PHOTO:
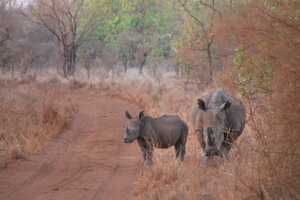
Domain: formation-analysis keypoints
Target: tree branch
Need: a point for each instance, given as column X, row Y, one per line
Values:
column 202, row 25
column 212, row 7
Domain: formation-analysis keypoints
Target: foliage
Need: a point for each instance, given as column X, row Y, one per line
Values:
column 195, row 46
column 263, row 67
column 253, row 75
column 138, row 26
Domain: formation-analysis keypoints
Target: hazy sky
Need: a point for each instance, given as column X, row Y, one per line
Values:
column 23, row 1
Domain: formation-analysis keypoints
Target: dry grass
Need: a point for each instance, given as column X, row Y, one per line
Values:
column 30, row 114
column 263, row 164
column 253, row 170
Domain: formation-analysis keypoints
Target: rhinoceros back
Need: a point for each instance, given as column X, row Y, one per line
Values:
column 164, row 131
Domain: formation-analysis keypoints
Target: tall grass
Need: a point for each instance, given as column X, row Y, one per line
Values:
column 263, row 163
column 30, row 114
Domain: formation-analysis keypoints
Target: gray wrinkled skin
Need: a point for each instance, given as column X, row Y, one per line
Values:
column 218, row 121
column 161, row 132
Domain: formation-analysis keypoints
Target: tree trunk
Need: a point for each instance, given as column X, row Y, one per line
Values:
column 89, row 73
column 125, row 63
column 87, row 66
column 70, row 54
column 141, row 67
column 210, row 62
column 125, row 68
column 13, row 70
column 230, row 4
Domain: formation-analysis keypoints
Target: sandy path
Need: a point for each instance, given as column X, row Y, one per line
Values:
column 86, row 162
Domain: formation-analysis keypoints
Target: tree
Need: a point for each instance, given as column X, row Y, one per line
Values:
column 138, row 30
column 4, row 26
column 64, row 20
column 205, row 24
column 8, row 27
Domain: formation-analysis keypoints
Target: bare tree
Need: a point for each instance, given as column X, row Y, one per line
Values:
column 63, row 19
column 205, row 27
column 4, row 36
column 4, row 28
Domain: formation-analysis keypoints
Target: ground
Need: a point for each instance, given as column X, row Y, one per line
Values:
column 87, row 161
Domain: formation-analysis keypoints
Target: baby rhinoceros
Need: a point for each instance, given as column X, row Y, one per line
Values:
column 161, row 132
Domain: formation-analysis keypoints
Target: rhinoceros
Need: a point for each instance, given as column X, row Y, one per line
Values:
column 161, row 132
column 218, row 121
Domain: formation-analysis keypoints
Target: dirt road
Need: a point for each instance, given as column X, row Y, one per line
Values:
column 86, row 162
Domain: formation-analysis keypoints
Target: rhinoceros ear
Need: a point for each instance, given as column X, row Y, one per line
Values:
column 141, row 115
column 201, row 104
column 225, row 105
column 128, row 116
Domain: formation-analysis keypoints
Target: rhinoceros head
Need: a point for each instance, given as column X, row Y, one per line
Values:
column 133, row 127
column 214, row 127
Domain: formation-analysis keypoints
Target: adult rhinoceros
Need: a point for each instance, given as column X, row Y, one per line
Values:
column 161, row 132
column 218, row 121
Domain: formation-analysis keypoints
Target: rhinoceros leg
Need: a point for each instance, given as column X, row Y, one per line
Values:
column 148, row 154
column 180, row 151
column 147, row 151
column 180, row 147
